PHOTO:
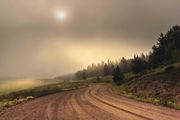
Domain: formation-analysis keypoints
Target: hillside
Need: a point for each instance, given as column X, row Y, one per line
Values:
column 161, row 86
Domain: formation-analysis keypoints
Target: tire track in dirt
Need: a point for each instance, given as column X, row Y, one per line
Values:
column 96, row 102
column 23, row 110
column 65, row 109
column 122, row 113
column 158, row 112
column 93, row 111
column 53, row 106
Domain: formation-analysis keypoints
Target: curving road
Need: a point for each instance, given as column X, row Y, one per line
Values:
column 93, row 103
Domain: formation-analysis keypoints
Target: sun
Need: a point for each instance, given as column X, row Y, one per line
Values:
column 60, row 15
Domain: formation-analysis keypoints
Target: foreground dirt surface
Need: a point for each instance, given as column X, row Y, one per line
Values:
column 96, row 102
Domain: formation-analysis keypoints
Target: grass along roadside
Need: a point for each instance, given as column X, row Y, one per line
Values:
column 14, row 98
column 122, row 91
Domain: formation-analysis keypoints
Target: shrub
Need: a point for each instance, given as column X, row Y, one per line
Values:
column 169, row 68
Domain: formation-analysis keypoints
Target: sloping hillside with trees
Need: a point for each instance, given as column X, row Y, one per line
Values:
column 155, row 75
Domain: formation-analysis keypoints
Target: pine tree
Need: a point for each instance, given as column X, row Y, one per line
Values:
column 118, row 77
column 138, row 64
column 167, row 49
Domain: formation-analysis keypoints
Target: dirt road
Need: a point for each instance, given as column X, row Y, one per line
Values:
column 93, row 103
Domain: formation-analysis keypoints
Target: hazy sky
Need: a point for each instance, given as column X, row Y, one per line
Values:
column 35, row 43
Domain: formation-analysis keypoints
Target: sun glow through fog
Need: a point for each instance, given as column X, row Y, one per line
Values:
column 60, row 15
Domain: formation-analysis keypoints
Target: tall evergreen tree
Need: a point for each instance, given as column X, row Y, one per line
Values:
column 167, row 49
column 138, row 64
column 124, row 65
column 118, row 77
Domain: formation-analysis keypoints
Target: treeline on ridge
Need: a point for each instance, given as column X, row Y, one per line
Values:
column 165, row 52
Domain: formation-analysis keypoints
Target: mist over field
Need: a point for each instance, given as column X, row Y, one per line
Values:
column 13, row 85
column 7, row 86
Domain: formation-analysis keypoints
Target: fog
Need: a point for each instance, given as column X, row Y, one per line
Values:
column 35, row 44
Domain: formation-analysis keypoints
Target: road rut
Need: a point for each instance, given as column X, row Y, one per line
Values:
column 95, row 102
